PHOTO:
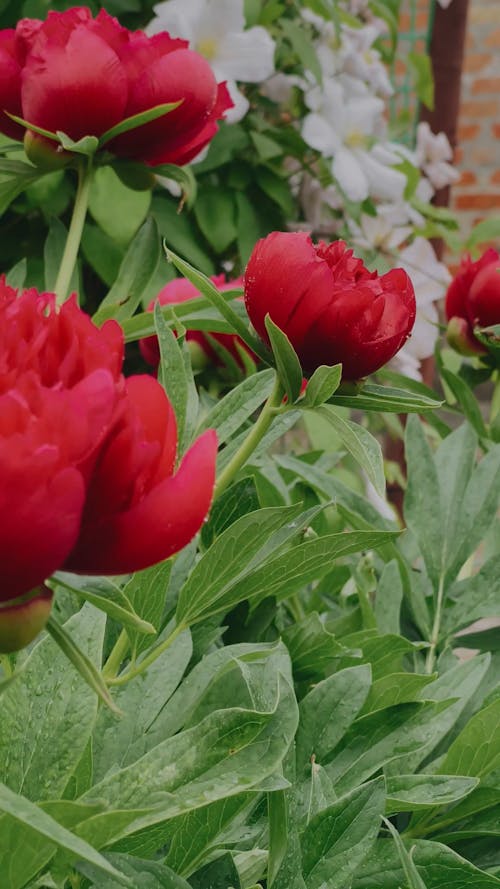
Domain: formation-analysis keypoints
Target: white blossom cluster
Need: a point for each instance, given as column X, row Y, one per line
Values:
column 345, row 120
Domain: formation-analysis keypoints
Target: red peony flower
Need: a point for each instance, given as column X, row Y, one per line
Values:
column 82, row 76
column 86, row 457
column 178, row 291
column 329, row 305
column 473, row 300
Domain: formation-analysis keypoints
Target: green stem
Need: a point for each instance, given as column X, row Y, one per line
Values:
column 6, row 665
column 148, row 660
column 436, row 628
column 72, row 246
column 119, row 652
column 495, row 401
column 252, row 440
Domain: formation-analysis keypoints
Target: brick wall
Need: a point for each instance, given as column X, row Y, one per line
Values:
column 477, row 195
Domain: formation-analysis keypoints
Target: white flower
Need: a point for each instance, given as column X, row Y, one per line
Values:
column 343, row 129
column 362, row 61
column 433, row 153
column 216, row 29
column 430, row 279
column 316, row 201
column 382, row 232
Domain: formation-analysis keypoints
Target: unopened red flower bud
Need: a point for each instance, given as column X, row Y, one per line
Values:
column 22, row 621
column 473, row 300
column 330, row 306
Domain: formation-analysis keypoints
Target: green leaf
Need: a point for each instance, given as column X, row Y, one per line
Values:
column 49, row 713
column 277, row 811
column 397, row 688
column 227, row 559
column 285, row 574
column 147, row 592
column 420, row 65
column 337, row 840
column 87, row 145
column 16, row 277
column 106, row 596
column 120, row 742
column 181, row 231
column 303, row 47
column 389, row 400
column 439, row 867
column 409, row 793
column 118, row 210
column 388, row 599
column 138, row 120
column 361, row 444
column 209, row 290
column 321, row 386
column 276, row 188
column 184, row 177
column 312, row 647
column 455, row 687
column 473, row 598
column 229, row 414
column 240, row 499
column 80, row 661
column 172, row 372
column 11, row 186
column 142, row 874
column 287, row 363
column 227, row 753
column 215, row 214
column 379, row 738
column 136, row 271
column 196, row 833
column 328, row 710
column 422, row 504
column 219, row 874
column 102, row 253
column 27, row 813
column 466, row 400
column 413, row 878
column 476, row 751
column 484, row 231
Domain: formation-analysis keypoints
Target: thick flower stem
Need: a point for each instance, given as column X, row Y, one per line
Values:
column 72, row 247
column 253, row 439
column 148, row 660
column 436, row 629
column 118, row 653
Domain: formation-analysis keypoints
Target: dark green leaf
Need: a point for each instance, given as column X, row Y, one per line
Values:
column 287, row 363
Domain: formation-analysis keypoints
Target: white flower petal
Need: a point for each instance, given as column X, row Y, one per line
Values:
column 247, row 56
column 350, row 175
column 240, row 106
column 319, row 134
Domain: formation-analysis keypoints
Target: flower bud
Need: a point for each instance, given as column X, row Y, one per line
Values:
column 461, row 339
column 22, row 620
column 44, row 154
